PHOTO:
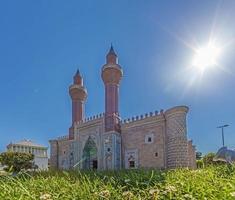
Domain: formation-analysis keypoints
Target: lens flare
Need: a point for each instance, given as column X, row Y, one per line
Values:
column 206, row 57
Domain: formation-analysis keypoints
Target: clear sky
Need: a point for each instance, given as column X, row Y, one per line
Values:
column 42, row 43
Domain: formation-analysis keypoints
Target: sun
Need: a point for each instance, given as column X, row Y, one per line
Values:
column 206, row 57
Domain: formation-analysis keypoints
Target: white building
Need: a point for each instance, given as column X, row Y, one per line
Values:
column 27, row 146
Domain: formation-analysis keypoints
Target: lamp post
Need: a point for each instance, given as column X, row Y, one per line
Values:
column 222, row 128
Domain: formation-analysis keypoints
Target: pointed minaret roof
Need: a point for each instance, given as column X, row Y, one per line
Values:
column 78, row 72
column 77, row 79
column 111, row 50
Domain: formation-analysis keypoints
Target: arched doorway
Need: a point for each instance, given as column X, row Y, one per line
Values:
column 90, row 160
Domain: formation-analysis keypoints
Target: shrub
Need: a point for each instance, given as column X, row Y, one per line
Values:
column 200, row 164
column 16, row 161
column 208, row 159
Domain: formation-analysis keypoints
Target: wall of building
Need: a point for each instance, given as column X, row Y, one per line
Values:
column 135, row 136
column 192, row 155
column 41, row 162
column 54, row 154
column 64, row 153
column 168, row 148
column 176, row 137
column 93, row 129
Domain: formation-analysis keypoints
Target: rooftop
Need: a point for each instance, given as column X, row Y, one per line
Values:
column 27, row 143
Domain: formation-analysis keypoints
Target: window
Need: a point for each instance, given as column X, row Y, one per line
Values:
column 131, row 164
column 156, row 154
column 149, row 138
column 131, row 158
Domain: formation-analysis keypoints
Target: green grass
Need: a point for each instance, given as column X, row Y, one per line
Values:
column 209, row 183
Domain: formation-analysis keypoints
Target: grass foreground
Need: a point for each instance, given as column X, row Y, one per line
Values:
column 209, row 183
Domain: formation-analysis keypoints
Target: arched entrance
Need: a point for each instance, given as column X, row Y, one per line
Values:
column 89, row 155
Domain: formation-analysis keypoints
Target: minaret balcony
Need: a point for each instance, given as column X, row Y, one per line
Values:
column 78, row 92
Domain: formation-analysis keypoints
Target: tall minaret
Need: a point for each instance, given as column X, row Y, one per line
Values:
column 111, row 75
column 78, row 95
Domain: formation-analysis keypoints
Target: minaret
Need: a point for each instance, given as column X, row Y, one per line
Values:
column 78, row 95
column 111, row 75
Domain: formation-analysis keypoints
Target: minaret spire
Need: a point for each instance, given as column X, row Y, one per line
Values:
column 111, row 57
column 77, row 79
column 111, row 50
column 78, row 72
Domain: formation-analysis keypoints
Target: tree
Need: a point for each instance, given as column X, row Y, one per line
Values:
column 198, row 155
column 16, row 161
column 208, row 159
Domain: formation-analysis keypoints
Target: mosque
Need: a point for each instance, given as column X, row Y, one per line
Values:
column 105, row 142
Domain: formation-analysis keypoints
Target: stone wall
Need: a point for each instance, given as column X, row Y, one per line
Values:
column 154, row 140
column 53, row 154
column 192, row 155
column 176, row 134
column 143, row 142
column 64, row 153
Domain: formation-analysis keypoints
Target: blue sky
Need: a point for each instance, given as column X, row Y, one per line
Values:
column 42, row 43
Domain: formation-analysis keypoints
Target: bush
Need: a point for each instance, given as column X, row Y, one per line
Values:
column 208, row 159
column 200, row 164
column 16, row 161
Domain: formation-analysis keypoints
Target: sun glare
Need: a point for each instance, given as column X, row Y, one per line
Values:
column 206, row 57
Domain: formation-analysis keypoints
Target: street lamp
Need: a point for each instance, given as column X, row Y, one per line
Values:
column 222, row 127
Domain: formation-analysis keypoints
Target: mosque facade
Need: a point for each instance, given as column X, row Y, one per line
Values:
column 106, row 142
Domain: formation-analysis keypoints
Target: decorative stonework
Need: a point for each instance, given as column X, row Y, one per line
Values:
column 112, row 150
column 108, row 151
column 131, row 158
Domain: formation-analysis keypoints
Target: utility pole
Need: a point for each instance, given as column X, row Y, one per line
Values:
column 222, row 128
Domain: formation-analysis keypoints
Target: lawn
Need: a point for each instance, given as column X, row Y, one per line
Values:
column 208, row 183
